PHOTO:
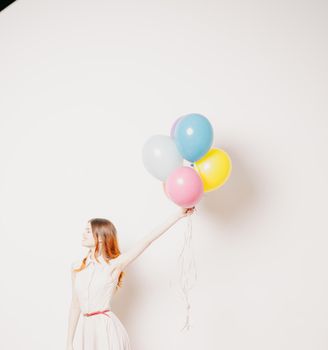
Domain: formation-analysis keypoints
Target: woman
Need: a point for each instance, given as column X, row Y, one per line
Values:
column 96, row 279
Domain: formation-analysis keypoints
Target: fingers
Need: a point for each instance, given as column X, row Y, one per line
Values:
column 189, row 211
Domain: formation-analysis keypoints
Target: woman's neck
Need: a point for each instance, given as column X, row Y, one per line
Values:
column 93, row 252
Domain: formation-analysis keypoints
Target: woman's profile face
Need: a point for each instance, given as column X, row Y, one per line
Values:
column 87, row 237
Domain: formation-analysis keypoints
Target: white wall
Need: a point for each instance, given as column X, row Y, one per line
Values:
column 83, row 85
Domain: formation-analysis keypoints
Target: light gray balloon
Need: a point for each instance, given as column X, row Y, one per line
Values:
column 161, row 156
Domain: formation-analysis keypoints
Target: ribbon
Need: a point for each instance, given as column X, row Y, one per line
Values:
column 187, row 270
column 97, row 313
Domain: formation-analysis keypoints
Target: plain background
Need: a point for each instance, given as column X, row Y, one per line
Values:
column 84, row 84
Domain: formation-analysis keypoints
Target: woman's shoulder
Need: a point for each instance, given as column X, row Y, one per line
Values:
column 75, row 264
column 116, row 263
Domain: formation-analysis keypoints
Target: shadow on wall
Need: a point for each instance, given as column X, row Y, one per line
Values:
column 232, row 201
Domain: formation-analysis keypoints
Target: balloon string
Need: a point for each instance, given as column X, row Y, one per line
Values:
column 187, row 270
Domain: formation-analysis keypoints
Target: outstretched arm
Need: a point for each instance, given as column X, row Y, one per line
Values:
column 131, row 254
column 74, row 315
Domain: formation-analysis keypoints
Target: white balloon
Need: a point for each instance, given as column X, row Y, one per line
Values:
column 161, row 156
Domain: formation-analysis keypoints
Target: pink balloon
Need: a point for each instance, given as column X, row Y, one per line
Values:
column 173, row 127
column 184, row 187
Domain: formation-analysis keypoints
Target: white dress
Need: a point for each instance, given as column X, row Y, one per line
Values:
column 95, row 286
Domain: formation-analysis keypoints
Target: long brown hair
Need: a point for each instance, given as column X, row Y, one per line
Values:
column 106, row 230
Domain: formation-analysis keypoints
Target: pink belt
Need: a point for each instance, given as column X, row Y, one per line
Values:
column 97, row 313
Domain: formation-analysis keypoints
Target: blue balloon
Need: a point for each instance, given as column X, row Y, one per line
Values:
column 193, row 136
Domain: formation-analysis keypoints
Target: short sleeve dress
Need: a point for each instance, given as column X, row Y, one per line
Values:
column 95, row 286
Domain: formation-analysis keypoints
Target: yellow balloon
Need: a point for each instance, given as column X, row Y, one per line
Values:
column 214, row 168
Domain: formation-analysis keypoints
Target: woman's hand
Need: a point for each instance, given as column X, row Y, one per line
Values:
column 186, row 211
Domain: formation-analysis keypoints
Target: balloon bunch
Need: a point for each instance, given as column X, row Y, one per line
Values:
column 188, row 165
column 190, row 141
